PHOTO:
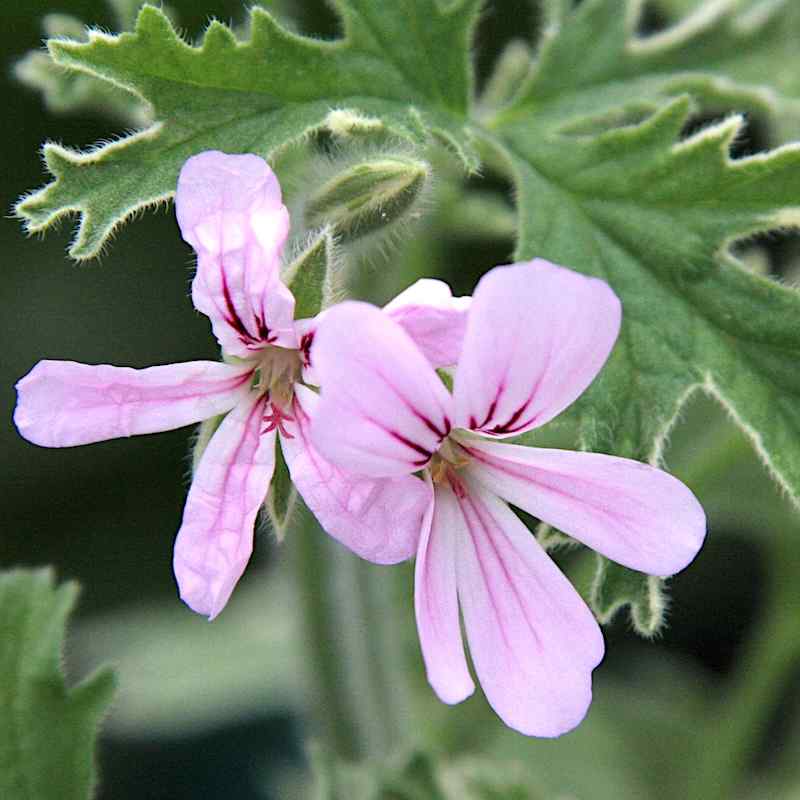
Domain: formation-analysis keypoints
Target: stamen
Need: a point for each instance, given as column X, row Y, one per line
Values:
column 277, row 419
column 446, row 463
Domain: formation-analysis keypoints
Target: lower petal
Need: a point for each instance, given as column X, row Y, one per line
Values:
column 63, row 403
column 534, row 642
column 379, row 519
column 637, row 515
column 436, row 602
column 215, row 540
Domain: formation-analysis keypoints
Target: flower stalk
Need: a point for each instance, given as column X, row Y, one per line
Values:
column 357, row 679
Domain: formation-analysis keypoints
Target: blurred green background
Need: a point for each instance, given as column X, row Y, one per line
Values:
column 222, row 710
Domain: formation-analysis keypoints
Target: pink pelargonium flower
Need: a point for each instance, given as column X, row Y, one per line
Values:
column 537, row 335
column 230, row 210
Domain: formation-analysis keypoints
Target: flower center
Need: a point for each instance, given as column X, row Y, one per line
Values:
column 446, row 462
column 278, row 370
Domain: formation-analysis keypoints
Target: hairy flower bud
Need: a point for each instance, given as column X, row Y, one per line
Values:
column 368, row 196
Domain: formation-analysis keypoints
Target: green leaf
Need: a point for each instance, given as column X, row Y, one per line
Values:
column 47, row 731
column 313, row 276
column 655, row 216
column 759, row 43
column 592, row 72
column 390, row 69
column 615, row 587
column 66, row 91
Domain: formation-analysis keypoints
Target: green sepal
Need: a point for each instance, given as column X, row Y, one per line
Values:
column 368, row 196
column 47, row 730
column 312, row 276
column 282, row 495
column 615, row 587
column 205, row 430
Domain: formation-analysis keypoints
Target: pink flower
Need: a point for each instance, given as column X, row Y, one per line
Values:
column 230, row 210
column 536, row 336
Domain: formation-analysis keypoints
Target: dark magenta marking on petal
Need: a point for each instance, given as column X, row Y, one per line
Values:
column 233, row 318
column 416, row 412
column 492, row 409
column 507, row 427
column 306, row 340
column 413, row 445
column 430, row 426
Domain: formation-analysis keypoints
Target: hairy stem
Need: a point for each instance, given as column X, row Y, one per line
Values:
column 347, row 618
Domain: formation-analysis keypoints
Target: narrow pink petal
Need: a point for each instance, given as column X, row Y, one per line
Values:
column 215, row 540
column 230, row 210
column 636, row 515
column 537, row 336
column 533, row 641
column 383, row 411
column 379, row 519
column 63, row 403
column 436, row 601
column 433, row 318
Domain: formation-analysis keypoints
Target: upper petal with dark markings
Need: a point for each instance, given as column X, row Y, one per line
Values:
column 230, row 210
column 537, row 336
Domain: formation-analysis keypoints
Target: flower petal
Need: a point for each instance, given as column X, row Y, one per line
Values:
column 635, row 514
column 63, row 403
column 379, row 519
column 215, row 540
column 433, row 318
column 436, row 602
column 383, row 411
column 537, row 336
column 534, row 642
column 229, row 209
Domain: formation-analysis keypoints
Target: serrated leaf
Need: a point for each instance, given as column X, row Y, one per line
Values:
column 655, row 217
column 47, row 731
column 615, row 588
column 66, row 91
column 312, row 276
column 254, row 96
column 759, row 45
column 593, row 69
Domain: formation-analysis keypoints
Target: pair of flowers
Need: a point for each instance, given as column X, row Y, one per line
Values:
column 389, row 460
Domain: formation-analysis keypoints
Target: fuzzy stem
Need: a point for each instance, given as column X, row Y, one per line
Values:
column 344, row 605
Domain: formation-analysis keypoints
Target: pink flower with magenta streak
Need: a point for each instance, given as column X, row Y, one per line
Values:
column 537, row 335
column 230, row 210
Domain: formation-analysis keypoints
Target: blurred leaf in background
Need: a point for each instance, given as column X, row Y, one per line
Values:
column 47, row 730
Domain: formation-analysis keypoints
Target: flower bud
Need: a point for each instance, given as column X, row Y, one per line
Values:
column 368, row 196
